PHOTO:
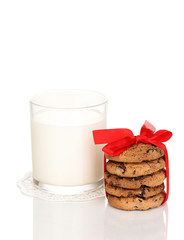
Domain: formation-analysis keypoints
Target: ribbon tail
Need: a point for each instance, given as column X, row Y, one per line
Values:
column 167, row 174
column 104, row 172
column 161, row 145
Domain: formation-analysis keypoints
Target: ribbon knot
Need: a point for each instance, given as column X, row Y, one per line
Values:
column 137, row 139
column 118, row 140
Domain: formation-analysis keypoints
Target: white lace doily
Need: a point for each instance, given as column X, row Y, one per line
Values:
column 28, row 188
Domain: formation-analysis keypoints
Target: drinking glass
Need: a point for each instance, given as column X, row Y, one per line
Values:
column 65, row 159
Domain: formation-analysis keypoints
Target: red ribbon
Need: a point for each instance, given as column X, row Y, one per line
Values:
column 118, row 140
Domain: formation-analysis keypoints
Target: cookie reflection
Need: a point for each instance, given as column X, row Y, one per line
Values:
column 136, row 225
column 68, row 220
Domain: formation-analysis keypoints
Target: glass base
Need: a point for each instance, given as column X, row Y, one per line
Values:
column 69, row 190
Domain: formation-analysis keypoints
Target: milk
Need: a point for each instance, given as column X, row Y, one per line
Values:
column 63, row 151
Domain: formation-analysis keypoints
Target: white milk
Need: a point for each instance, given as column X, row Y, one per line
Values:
column 63, row 151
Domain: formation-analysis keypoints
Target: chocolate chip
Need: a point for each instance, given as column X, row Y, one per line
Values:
column 134, row 172
column 135, row 207
column 142, row 191
column 121, row 167
column 140, row 200
column 150, row 150
column 108, row 174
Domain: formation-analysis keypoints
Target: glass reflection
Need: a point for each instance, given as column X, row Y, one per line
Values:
column 68, row 220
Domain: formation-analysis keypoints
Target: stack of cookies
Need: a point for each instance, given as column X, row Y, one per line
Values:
column 134, row 179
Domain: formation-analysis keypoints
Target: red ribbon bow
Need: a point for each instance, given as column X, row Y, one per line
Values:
column 118, row 140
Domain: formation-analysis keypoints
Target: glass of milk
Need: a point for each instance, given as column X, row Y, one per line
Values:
column 65, row 159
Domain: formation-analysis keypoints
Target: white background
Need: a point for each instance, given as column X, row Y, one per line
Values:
column 132, row 51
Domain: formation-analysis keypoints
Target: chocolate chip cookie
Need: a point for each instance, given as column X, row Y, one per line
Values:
column 151, row 180
column 135, row 169
column 140, row 192
column 136, row 203
column 138, row 153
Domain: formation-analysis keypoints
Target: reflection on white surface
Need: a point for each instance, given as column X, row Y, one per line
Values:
column 96, row 220
column 68, row 220
column 136, row 225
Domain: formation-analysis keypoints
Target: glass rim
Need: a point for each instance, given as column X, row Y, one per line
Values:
column 32, row 101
